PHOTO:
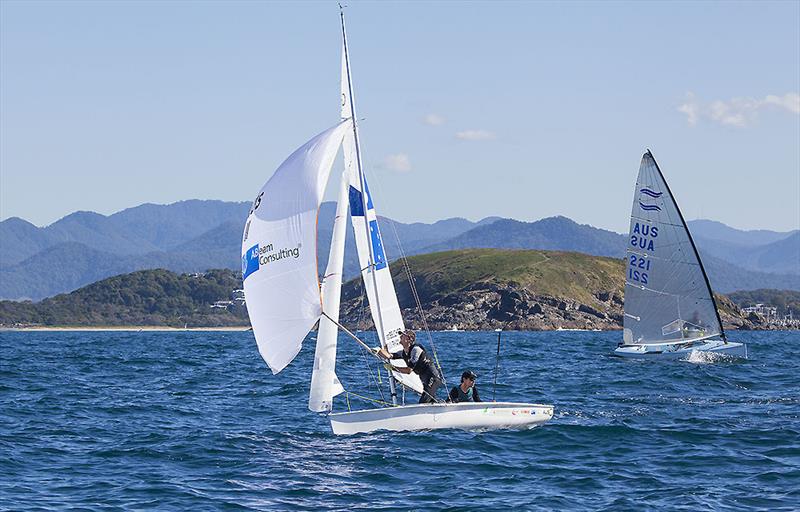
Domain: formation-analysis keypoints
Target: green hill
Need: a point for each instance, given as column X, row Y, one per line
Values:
column 785, row 300
column 510, row 289
column 558, row 274
column 147, row 297
column 466, row 289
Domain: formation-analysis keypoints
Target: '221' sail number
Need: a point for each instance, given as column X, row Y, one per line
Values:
column 637, row 263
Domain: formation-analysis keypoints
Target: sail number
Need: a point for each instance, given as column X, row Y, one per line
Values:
column 256, row 203
column 638, row 268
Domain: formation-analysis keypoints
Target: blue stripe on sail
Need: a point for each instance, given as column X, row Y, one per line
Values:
column 649, row 207
column 377, row 245
column 357, row 203
column 651, row 193
column 250, row 262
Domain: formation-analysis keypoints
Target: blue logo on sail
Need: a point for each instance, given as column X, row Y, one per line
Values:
column 250, row 262
column 652, row 193
column 649, row 207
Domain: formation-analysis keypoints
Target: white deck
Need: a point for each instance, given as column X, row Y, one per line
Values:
column 682, row 350
column 465, row 415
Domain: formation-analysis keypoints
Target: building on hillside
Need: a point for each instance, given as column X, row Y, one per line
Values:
column 770, row 313
column 237, row 297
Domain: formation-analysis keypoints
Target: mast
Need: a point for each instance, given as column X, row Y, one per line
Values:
column 364, row 201
column 694, row 248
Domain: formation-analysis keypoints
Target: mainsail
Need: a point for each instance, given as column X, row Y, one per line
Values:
column 279, row 249
column 375, row 273
column 380, row 290
column 667, row 295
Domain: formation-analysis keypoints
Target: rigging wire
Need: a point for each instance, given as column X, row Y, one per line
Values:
column 372, row 379
column 496, row 364
column 413, row 287
column 374, row 353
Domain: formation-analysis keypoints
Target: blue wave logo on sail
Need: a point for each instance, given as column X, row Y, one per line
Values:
column 652, row 193
column 649, row 207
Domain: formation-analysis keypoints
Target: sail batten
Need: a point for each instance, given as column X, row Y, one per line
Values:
column 666, row 289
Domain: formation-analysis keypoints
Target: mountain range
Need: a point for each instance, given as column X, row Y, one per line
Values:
column 195, row 235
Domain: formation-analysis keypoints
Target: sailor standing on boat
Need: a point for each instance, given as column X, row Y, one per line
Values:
column 418, row 361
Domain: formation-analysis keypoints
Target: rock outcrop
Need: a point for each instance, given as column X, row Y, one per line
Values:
column 456, row 293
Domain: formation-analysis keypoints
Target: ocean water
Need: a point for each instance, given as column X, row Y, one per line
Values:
column 196, row 421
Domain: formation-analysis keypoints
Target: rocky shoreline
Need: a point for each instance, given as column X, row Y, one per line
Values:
column 488, row 306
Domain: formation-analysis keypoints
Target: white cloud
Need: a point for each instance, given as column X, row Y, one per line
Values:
column 398, row 162
column 690, row 108
column 738, row 112
column 434, row 120
column 790, row 102
column 475, row 135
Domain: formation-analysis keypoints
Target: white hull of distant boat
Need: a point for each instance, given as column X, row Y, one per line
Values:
column 466, row 416
column 682, row 349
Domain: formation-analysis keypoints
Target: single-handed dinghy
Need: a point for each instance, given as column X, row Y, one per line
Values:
column 670, row 310
column 285, row 299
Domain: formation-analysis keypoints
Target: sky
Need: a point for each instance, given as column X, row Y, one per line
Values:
column 517, row 109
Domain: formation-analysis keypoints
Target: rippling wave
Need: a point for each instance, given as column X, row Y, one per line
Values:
column 191, row 420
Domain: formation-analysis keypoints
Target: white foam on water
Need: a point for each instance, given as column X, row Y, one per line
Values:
column 705, row 357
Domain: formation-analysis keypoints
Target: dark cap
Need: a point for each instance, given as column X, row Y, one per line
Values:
column 469, row 374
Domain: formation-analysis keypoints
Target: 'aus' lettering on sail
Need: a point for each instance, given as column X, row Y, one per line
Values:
column 642, row 237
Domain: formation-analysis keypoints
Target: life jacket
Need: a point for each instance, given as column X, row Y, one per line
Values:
column 463, row 397
column 419, row 361
column 458, row 395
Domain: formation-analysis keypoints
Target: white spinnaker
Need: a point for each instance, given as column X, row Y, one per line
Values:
column 667, row 297
column 324, row 383
column 383, row 305
column 279, row 249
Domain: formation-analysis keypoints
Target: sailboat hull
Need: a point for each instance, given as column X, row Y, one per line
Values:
column 682, row 350
column 467, row 416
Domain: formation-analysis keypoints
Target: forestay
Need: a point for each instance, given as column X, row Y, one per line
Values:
column 279, row 249
column 667, row 297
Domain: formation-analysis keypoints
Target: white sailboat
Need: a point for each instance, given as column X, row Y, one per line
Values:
column 670, row 310
column 285, row 299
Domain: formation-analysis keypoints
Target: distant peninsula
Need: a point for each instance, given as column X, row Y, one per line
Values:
column 485, row 289
column 471, row 289
column 144, row 298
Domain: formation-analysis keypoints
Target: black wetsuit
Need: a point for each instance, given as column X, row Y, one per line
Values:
column 458, row 395
column 420, row 363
